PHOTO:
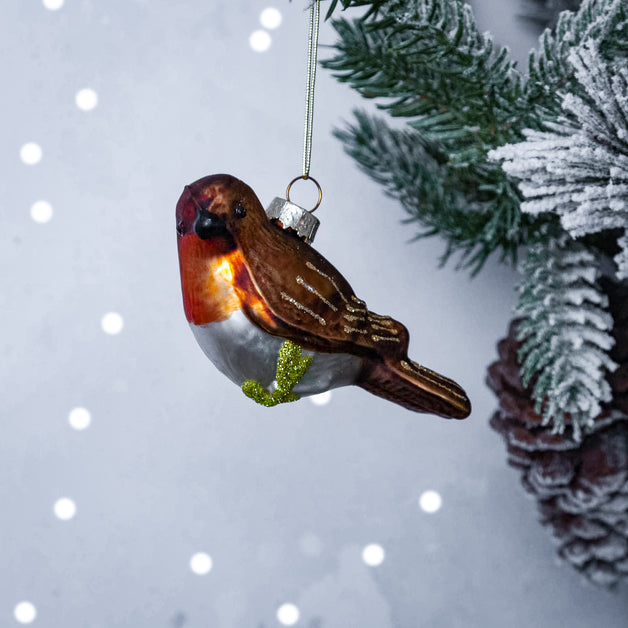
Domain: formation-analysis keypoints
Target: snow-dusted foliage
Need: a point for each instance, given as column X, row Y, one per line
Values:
column 578, row 168
column 493, row 159
column 565, row 333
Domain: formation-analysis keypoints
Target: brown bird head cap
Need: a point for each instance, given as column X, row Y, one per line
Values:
column 220, row 206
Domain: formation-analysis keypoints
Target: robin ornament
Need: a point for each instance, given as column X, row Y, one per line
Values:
column 277, row 318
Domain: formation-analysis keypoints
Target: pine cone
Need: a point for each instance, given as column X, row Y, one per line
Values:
column 581, row 486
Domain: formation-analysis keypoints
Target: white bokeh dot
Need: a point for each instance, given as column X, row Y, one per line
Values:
column 270, row 17
column 373, row 555
column 31, row 153
column 53, row 5
column 25, row 612
column 86, row 99
column 64, row 509
column 112, row 323
column 322, row 399
column 79, row 418
column 260, row 41
column 201, row 563
column 430, row 501
column 288, row 614
column 41, row 211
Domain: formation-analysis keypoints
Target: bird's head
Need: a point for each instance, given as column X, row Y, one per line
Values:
column 219, row 209
column 216, row 216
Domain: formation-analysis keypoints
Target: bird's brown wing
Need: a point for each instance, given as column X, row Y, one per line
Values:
column 310, row 302
column 307, row 300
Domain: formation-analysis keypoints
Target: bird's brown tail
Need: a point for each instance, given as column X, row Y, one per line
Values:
column 415, row 387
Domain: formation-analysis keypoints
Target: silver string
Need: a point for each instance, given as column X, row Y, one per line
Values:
column 312, row 50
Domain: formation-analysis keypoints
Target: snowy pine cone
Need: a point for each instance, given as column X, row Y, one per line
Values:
column 581, row 486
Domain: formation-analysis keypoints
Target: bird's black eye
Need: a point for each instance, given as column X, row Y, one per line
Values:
column 180, row 226
column 239, row 211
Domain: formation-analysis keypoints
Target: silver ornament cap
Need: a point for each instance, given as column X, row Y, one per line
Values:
column 292, row 216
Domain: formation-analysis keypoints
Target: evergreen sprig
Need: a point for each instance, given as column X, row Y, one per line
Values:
column 427, row 62
column 550, row 69
column 565, row 333
column 413, row 171
column 435, row 68
column 562, row 131
column 460, row 96
column 579, row 169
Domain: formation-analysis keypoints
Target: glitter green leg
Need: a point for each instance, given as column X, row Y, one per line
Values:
column 291, row 367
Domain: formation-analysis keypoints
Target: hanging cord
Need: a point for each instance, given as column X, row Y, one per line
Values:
column 312, row 50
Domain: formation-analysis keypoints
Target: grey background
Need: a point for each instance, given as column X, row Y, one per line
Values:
column 176, row 460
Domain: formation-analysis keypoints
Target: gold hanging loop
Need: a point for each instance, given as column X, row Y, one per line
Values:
column 306, row 177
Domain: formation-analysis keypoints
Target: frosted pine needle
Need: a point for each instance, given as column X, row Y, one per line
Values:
column 579, row 168
column 565, row 333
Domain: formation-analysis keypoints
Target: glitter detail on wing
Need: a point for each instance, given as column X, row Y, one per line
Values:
column 381, row 320
column 376, row 338
column 330, row 279
column 388, row 330
column 303, row 308
column 355, row 330
column 315, row 292
column 352, row 318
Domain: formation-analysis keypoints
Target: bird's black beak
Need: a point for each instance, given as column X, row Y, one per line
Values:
column 209, row 225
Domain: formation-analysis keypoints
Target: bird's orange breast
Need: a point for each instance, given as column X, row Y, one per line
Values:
column 207, row 280
column 215, row 282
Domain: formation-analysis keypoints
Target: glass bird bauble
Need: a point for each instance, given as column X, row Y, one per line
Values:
column 277, row 318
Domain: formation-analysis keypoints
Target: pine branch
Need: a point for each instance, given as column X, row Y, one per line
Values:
column 566, row 333
column 550, row 71
column 461, row 96
column 579, row 169
column 437, row 196
column 440, row 71
column 563, row 133
column 426, row 61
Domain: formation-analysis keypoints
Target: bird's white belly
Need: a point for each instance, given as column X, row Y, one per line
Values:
column 242, row 351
